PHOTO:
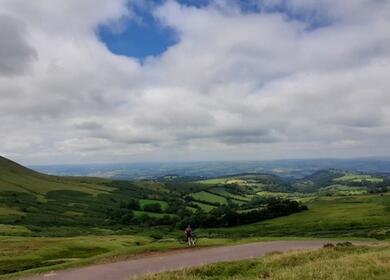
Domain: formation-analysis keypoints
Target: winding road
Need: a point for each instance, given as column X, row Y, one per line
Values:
column 174, row 260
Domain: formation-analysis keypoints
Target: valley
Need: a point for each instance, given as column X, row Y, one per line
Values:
column 50, row 222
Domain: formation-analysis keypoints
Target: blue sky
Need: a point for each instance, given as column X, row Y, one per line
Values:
column 139, row 38
column 147, row 36
column 144, row 36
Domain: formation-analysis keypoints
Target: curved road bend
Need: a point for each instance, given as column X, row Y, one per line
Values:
column 174, row 260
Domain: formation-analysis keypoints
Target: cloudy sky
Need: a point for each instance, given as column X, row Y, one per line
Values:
column 108, row 81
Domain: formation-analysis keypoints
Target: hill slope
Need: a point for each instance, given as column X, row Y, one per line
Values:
column 30, row 198
column 15, row 177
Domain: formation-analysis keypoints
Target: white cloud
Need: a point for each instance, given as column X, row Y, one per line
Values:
column 236, row 85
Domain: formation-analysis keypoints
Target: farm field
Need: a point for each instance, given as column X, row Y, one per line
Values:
column 212, row 181
column 205, row 207
column 358, row 178
column 209, row 197
column 223, row 192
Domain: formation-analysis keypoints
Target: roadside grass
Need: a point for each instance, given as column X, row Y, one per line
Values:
column 342, row 263
column 20, row 254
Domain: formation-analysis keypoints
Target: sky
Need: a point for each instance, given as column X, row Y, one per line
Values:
column 130, row 80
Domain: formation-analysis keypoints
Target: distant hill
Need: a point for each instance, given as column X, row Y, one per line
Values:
column 15, row 177
column 35, row 199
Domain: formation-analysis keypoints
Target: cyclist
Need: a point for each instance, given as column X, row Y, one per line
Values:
column 189, row 236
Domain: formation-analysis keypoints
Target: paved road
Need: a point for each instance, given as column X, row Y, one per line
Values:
column 174, row 260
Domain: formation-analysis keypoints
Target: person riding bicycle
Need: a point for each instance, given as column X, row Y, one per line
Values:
column 189, row 236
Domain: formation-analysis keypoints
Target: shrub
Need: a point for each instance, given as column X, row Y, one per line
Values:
column 344, row 244
column 328, row 245
column 153, row 207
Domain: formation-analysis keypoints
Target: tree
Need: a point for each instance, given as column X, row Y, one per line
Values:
column 153, row 207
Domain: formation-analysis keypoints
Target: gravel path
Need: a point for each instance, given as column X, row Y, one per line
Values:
column 174, row 260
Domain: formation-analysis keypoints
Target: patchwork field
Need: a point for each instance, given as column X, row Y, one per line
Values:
column 223, row 192
column 204, row 207
column 358, row 178
column 209, row 197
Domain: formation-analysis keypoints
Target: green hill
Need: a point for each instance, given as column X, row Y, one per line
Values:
column 15, row 177
column 38, row 200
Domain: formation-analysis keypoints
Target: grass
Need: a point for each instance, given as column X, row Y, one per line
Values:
column 364, row 216
column 13, row 230
column 14, row 177
column 223, row 192
column 348, row 263
column 138, row 213
column 209, row 197
column 274, row 194
column 5, row 211
column 342, row 190
column 215, row 181
column 204, row 207
column 21, row 254
column 151, row 185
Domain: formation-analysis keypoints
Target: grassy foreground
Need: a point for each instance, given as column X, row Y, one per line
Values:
column 342, row 263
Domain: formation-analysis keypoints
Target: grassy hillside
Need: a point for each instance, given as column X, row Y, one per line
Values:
column 363, row 215
column 14, row 177
column 343, row 263
column 35, row 200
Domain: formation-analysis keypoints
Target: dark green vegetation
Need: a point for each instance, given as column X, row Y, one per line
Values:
column 344, row 262
column 49, row 222
column 347, row 216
